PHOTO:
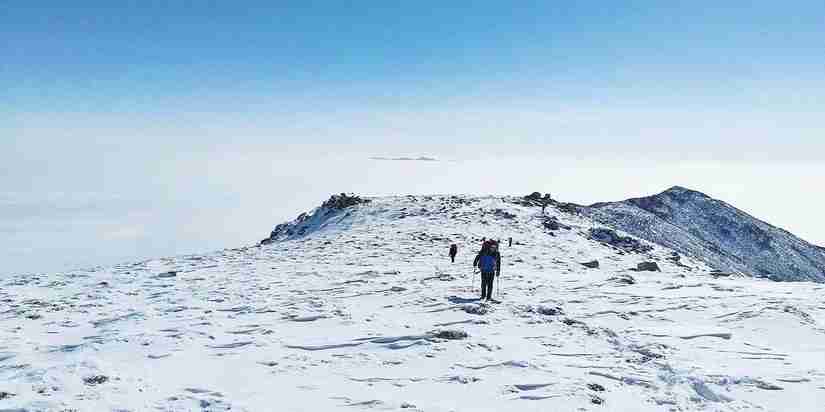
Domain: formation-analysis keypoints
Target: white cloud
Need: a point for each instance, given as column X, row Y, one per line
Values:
column 406, row 159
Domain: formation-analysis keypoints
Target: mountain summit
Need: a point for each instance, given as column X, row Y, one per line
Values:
column 715, row 232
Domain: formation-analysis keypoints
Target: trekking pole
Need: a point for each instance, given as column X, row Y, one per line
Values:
column 498, row 287
column 472, row 285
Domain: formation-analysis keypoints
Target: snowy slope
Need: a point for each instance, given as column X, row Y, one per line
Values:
column 715, row 232
column 363, row 311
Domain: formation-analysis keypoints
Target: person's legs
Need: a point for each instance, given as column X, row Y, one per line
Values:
column 487, row 285
column 487, row 288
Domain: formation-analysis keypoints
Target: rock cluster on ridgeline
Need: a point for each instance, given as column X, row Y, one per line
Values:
column 536, row 199
column 307, row 221
column 343, row 201
column 625, row 243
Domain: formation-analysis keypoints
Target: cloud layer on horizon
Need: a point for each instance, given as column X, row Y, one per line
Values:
column 406, row 159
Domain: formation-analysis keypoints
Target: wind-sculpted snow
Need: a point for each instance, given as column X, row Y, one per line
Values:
column 366, row 312
column 715, row 232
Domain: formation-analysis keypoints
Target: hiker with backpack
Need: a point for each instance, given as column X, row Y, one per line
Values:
column 453, row 252
column 488, row 261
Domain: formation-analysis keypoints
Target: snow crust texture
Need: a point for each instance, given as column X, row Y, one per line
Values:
column 364, row 311
column 716, row 233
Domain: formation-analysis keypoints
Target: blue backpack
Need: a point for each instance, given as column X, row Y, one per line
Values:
column 487, row 263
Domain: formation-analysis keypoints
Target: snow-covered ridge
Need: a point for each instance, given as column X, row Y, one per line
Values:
column 363, row 310
column 715, row 232
column 680, row 219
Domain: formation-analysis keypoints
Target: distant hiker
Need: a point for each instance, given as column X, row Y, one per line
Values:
column 509, row 242
column 488, row 261
column 546, row 200
column 453, row 252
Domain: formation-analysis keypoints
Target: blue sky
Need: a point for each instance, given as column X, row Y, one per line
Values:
column 156, row 57
column 130, row 127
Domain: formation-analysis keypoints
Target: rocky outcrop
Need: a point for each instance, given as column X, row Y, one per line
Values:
column 451, row 334
column 625, row 243
column 504, row 214
column 95, row 380
column 308, row 222
column 343, row 201
column 648, row 267
column 536, row 199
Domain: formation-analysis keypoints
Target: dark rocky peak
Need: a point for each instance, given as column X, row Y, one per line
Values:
column 715, row 232
column 668, row 202
column 680, row 191
column 676, row 195
column 682, row 194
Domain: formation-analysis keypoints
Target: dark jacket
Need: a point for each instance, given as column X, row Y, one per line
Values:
column 495, row 254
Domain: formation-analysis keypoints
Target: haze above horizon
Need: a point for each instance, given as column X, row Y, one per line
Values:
column 154, row 128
